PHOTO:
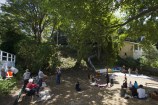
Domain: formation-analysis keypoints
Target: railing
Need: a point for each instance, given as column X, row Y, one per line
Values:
column 5, row 56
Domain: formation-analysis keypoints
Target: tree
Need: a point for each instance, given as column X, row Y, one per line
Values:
column 87, row 28
column 36, row 17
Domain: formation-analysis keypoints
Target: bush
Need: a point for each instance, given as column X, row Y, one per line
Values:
column 6, row 86
column 128, row 62
column 150, row 57
column 36, row 56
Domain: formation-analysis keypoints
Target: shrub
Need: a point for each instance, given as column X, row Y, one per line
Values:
column 128, row 62
column 35, row 56
column 6, row 86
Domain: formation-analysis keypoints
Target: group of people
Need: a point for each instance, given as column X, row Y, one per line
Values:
column 109, row 79
column 130, row 70
column 31, row 87
column 132, row 90
column 6, row 74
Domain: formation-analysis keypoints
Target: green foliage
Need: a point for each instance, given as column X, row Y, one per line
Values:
column 150, row 57
column 90, row 26
column 35, row 56
column 6, row 86
column 35, row 17
column 128, row 62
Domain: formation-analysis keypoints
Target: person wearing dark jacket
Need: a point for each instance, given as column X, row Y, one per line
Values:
column 3, row 73
column 77, row 87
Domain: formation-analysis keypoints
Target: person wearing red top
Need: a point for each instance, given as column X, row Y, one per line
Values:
column 31, row 88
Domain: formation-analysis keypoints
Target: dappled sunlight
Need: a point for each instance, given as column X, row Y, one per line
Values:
column 65, row 93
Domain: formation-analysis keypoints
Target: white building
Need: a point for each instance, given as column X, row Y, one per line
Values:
column 131, row 49
column 6, row 59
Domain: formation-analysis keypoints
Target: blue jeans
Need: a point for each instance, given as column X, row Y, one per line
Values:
column 57, row 79
column 40, row 82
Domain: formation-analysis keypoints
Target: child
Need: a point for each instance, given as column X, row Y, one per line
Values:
column 77, row 87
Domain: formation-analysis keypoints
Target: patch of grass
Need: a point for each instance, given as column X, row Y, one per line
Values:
column 67, row 62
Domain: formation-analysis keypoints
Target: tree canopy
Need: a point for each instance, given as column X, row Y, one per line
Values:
column 91, row 27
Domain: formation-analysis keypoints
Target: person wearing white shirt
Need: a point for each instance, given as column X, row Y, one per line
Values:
column 141, row 92
column 130, row 85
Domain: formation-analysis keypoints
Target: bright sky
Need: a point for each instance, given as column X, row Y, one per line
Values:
column 2, row 1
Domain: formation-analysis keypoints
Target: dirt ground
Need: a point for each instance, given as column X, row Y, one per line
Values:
column 65, row 94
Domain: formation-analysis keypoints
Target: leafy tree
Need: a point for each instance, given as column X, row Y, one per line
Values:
column 36, row 57
column 88, row 30
column 35, row 17
column 10, row 34
column 150, row 57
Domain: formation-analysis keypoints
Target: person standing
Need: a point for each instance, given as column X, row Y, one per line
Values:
column 125, row 78
column 3, row 73
column 41, row 76
column 136, row 71
column 112, row 80
column 26, row 77
column 129, row 71
column 58, row 76
column 107, row 79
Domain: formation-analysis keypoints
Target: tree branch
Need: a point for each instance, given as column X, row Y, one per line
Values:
column 150, row 9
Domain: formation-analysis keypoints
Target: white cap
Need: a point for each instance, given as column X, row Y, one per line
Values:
column 31, row 80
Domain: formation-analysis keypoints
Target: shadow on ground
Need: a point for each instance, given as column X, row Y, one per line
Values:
column 65, row 94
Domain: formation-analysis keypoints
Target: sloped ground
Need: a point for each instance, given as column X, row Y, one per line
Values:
column 65, row 94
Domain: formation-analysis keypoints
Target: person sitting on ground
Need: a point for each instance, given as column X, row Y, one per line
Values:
column 122, row 92
column 94, row 80
column 124, row 85
column 130, row 85
column 136, row 84
column 128, row 93
column 3, row 73
column 9, row 72
column 31, row 88
column 77, row 86
column 134, row 91
column 141, row 92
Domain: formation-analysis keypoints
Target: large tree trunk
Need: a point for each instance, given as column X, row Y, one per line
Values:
column 99, row 52
column 79, row 58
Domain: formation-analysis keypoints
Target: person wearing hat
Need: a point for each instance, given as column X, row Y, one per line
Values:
column 41, row 77
column 26, row 77
column 3, row 73
column 31, row 87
